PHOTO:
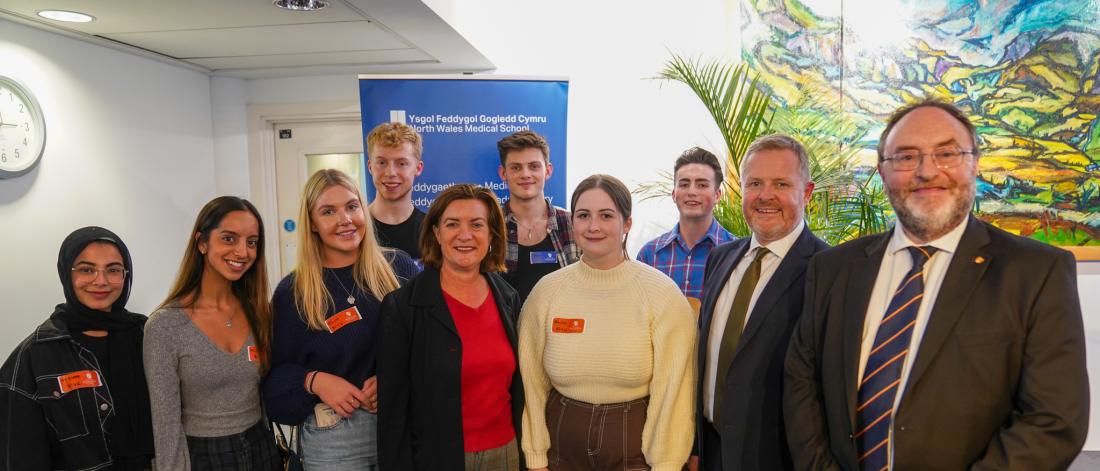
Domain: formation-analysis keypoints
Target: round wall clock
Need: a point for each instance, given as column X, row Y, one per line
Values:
column 22, row 129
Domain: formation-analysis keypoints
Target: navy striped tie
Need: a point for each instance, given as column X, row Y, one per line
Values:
column 882, row 375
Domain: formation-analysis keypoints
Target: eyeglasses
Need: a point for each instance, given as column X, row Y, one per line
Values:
column 943, row 158
column 113, row 274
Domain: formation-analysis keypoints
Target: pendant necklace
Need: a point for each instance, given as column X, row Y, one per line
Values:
column 229, row 322
column 531, row 228
column 350, row 298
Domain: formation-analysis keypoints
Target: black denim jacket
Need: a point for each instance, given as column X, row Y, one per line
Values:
column 30, row 393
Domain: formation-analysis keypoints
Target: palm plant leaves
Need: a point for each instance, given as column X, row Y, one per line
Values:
column 845, row 205
column 735, row 99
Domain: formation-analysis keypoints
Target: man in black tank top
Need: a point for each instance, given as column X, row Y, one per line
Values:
column 540, row 235
column 393, row 153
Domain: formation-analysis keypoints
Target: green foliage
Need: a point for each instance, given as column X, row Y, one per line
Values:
column 845, row 213
column 735, row 99
column 844, row 205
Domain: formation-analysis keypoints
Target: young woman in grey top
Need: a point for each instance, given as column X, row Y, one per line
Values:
column 208, row 345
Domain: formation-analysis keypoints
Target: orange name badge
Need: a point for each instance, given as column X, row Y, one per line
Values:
column 253, row 354
column 568, row 326
column 342, row 318
column 79, row 380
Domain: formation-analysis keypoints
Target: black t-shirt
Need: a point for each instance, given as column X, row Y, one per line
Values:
column 404, row 236
column 124, row 460
column 535, row 262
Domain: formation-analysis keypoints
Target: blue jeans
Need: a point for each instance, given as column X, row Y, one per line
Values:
column 349, row 445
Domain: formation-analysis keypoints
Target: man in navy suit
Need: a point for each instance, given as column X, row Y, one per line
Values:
column 945, row 343
column 752, row 296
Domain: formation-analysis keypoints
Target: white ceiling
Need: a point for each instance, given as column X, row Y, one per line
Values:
column 255, row 39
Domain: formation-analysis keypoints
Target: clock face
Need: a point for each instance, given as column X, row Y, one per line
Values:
column 22, row 129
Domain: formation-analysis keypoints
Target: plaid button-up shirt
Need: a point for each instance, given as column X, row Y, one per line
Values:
column 559, row 227
column 671, row 255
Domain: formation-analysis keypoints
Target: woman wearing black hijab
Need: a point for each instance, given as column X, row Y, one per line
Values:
column 73, row 394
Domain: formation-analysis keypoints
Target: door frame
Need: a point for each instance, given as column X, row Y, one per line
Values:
column 262, row 120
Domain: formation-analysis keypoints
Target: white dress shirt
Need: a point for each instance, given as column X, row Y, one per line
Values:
column 896, row 263
column 722, row 305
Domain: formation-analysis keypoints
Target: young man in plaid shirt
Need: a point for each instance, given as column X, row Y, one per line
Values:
column 540, row 235
column 682, row 252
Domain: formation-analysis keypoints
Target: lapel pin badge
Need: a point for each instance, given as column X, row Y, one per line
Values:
column 979, row 259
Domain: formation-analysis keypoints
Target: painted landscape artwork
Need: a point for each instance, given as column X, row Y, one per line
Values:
column 1026, row 73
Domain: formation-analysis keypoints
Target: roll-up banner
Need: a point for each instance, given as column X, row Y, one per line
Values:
column 461, row 118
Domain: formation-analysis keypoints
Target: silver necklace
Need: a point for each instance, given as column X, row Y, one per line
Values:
column 229, row 322
column 531, row 228
column 350, row 299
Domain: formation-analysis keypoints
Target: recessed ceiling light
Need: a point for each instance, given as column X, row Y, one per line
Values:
column 301, row 5
column 67, row 16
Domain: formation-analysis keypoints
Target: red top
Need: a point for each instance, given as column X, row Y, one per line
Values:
column 488, row 364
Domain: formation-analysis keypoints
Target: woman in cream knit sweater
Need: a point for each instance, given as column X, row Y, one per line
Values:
column 606, row 350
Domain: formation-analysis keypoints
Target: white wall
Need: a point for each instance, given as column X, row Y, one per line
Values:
column 129, row 147
column 1088, row 283
column 620, row 122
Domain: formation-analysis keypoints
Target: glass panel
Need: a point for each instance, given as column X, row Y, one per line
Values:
column 351, row 164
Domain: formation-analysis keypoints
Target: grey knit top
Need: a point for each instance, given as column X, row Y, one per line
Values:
column 195, row 388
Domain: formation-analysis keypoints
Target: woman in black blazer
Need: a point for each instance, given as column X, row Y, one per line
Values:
column 443, row 406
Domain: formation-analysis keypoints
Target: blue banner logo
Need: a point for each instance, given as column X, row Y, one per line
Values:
column 461, row 120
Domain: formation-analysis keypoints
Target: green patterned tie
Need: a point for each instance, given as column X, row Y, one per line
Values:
column 735, row 325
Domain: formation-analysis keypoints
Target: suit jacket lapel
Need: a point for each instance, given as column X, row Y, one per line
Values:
column 862, row 272
column 429, row 293
column 714, row 288
column 711, row 291
column 504, row 307
column 790, row 268
column 963, row 275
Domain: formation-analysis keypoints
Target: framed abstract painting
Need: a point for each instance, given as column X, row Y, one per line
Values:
column 1026, row 72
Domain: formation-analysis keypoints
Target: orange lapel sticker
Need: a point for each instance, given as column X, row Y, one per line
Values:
column 342, row 318
column 79, row 380
column 568, row 326
column 253, row 354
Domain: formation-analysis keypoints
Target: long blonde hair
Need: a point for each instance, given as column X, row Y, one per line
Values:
column 372, row 270
column 250, row 290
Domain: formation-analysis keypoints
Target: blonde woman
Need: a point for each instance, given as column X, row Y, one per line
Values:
column 206, row 348
column 326, row 324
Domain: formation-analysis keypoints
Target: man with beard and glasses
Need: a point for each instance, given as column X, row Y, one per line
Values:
column 945, row 343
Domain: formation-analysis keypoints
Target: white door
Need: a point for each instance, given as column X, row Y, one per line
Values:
column 300, row 150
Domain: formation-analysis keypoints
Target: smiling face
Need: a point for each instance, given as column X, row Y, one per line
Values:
column 338, row 219
column 695, row 192
column 230, row 248
column 394, row 170
column 929, row 201
column 95, row 288
column 526, row 172
column 774, row 193
column 599, row 229
column 463, row 235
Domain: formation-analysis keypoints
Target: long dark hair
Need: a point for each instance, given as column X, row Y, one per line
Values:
column 250, row 290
